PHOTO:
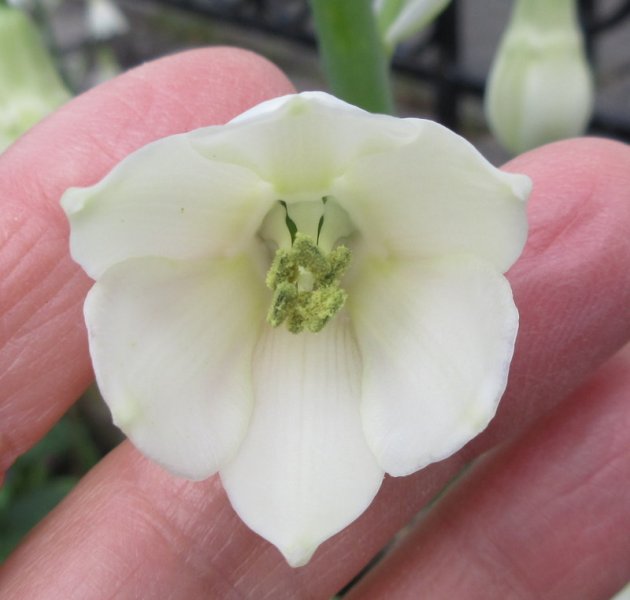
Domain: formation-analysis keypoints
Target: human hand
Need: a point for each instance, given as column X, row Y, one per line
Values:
column 546, row 515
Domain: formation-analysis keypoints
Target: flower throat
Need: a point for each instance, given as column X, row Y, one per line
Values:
column 305, row 281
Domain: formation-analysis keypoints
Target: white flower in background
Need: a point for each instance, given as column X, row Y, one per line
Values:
column 385, row 236
column 398, row 20
column 30, row 87
column 540, row 87
column 105, row 20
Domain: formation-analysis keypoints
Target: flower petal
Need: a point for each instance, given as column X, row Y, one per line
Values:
column 165, row 200
column 171, row 343
column 304, row 470
column 433, row 196
column 436, row 338
column 401, row 19
column 300, row 143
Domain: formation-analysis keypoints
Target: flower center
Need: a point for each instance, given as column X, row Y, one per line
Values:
column 305, row 275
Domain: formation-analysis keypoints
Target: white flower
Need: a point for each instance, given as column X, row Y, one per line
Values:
column 398, row 20
column 105, row 20
column 183, row 239
column 540, row 87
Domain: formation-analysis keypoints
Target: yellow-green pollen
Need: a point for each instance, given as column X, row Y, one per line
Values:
column 305, row 284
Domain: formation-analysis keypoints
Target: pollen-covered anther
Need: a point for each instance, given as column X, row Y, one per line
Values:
column 305, row 282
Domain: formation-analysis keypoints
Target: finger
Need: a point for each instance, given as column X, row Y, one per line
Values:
column 545, row 517
column 137, row 530
column 571, row 284
column 44, row 364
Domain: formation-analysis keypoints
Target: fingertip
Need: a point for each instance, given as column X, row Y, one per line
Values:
column 211, row 85
column 581, row 193
column 572, row 282
column 571, row 172
column 576, row 150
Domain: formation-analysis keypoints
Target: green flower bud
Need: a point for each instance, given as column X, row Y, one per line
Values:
column 30, row 86
column 540, row 87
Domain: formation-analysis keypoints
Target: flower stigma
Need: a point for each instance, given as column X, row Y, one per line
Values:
column 305, row 280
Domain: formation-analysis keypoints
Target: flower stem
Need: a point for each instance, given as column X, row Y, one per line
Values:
column 352, row 53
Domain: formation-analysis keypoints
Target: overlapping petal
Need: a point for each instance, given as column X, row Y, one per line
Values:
column 165, row 200
column 300, row 143
column 304, row 471
column 171, row 342
column 436, row 338
column 436, row 196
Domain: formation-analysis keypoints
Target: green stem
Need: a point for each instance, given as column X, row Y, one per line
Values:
column 352, row 53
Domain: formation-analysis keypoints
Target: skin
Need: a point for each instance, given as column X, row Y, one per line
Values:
column 544, row 514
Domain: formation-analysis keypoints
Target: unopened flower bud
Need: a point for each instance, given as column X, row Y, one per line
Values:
column 30, row 86
column 540, row 87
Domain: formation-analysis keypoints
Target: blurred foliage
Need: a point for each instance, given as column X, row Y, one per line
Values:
column 41, row 478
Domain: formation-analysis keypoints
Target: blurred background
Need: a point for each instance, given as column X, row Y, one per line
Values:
column 440, row 73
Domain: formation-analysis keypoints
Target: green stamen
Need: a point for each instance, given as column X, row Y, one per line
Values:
column 305, row 283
